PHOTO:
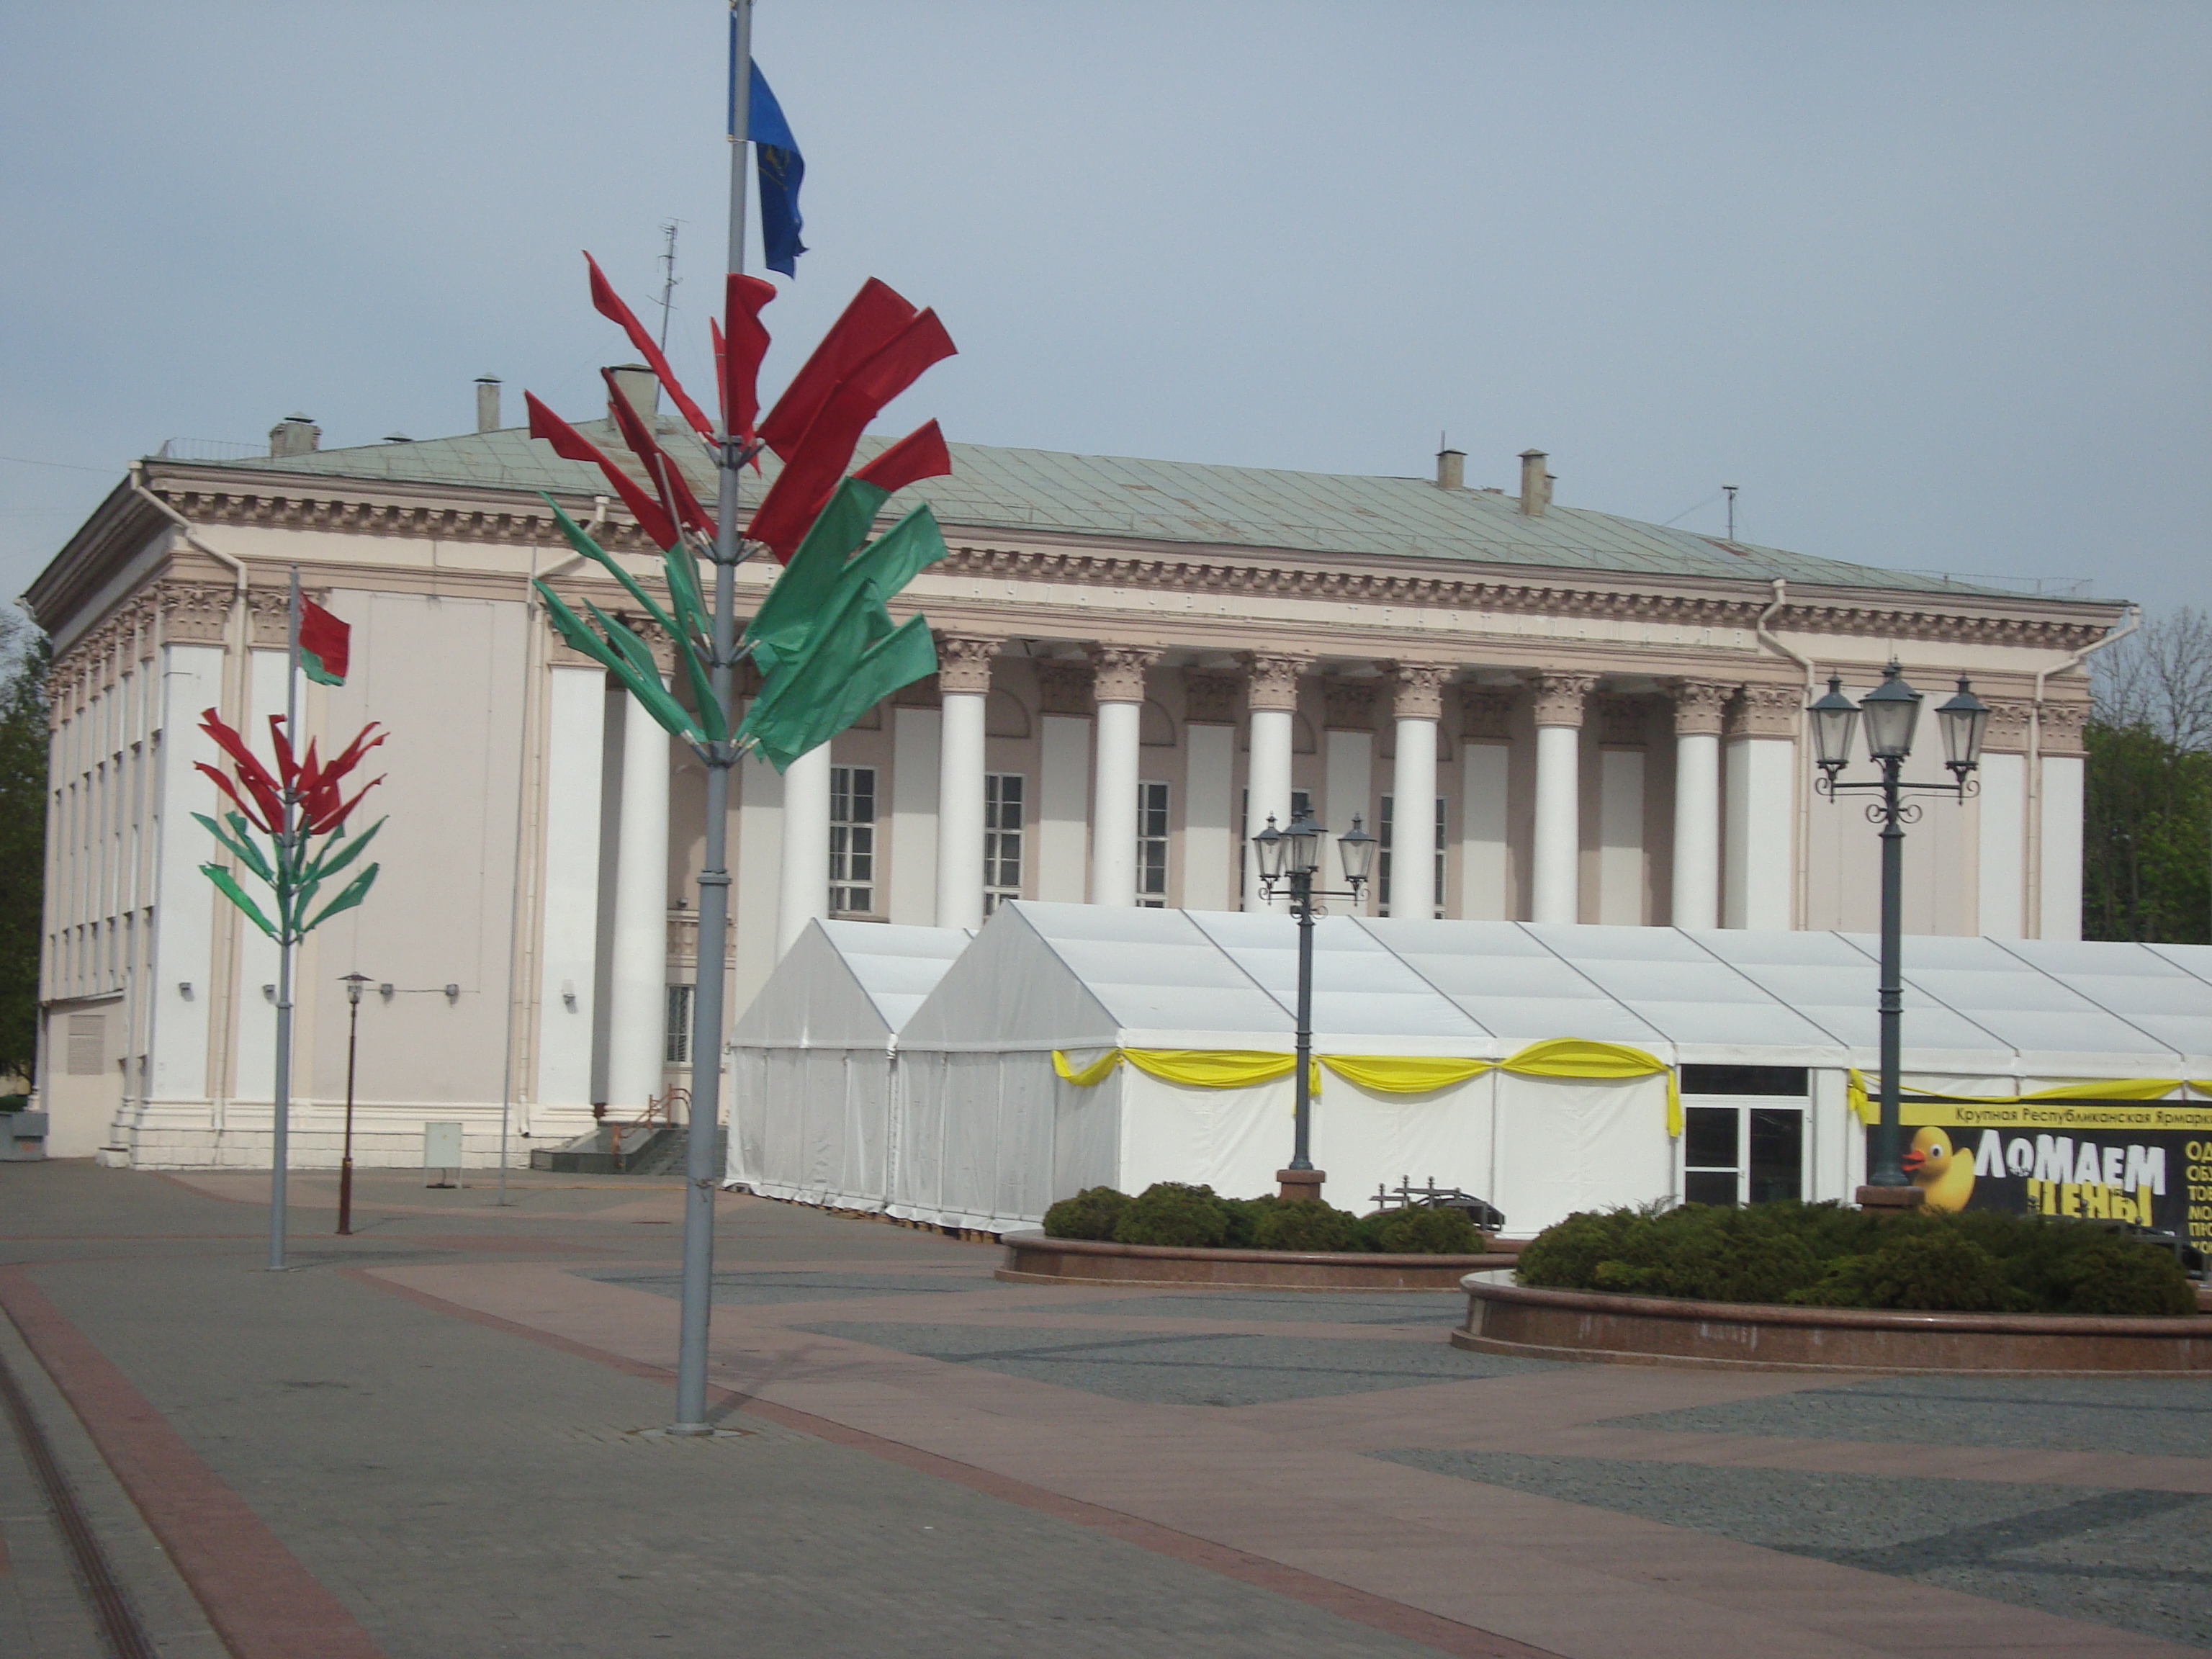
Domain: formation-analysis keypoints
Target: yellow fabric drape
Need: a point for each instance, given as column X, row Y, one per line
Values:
column 1403, row 1074
column 2132, row 1088
column 1399, row 1074
column 1574, row 1057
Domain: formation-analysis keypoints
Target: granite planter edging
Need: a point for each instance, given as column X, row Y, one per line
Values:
column 1642, row 1330
column 1034, row 1258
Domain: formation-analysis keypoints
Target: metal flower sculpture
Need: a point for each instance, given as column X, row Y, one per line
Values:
column 301, row 808
column 824, row 640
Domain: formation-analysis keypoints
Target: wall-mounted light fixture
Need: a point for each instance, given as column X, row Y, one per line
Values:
column 569, row 994
column 453, row 994
column 185, row 989
column 269, row 990
column 387, row 990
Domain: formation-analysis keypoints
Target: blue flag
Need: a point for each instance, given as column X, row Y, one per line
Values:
column 782, row 169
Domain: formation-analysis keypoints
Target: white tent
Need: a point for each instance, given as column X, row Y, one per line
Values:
column 814, row 1060
column 985, row 1130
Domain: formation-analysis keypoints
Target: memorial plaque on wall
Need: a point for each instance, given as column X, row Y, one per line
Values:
column 2150, row 1163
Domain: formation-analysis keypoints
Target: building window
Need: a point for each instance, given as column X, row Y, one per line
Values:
column 852, row 840
column 676, row 1039
column 1152, row 846
column 1002, row 838
column 1382, row 838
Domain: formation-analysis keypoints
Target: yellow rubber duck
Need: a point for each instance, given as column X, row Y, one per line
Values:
column 1944, row 1174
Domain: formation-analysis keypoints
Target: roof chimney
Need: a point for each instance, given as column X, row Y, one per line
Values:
column 639, row 386
column 488, row 403
column 295, row 434
column 1451, row 468
column 1535, row 483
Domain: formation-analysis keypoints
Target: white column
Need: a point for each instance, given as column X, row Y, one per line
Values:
column 1697, row 861
column 803, row 891
column 184, row 900
column 637, row 994
column 2001, row 856
column 1119, row 687
column 1419, row 705
column 916, row 757
column 1556, row 895
column 2058, row 897
column 964, row 678
column 1271, row 697
column 576, row 744
column 1758, row 854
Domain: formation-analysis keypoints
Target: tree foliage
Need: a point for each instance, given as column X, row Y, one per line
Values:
column 2147, row 840
column 24, row 658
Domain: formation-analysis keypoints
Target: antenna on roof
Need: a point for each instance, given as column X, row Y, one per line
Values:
column 1730, row 489
column 668, row 276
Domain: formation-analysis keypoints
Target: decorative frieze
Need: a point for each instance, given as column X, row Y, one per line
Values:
column 1209, row 699
column 963, row 663
column 1273, row 682
column 1765, row 711
column 1064, row 687
column 1486, row 713
column 1417, row 689
column 1348, row 705
column 1119, row 671
column 1624, row 719
column 1700, row 706
column 1559, row 698
column 2009, row 725
column 2063, row 724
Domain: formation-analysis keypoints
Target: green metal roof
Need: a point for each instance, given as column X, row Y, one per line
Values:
column 1171, row 501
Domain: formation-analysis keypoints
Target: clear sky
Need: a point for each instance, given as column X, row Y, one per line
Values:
column 1932, row 282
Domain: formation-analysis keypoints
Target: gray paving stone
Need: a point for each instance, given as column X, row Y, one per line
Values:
column 1198, row 1370
column 2140, row 1560
column 2149, row 1415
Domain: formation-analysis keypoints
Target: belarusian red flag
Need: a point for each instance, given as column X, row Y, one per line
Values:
column 324, row 644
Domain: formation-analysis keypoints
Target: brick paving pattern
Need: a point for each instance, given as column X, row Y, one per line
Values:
column 446, row 1423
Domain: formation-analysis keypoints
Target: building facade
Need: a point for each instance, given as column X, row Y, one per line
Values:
column 1547, row 713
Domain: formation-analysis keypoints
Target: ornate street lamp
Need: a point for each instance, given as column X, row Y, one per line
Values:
column 355, row 984
column 1891, row 710
column 1292, row 858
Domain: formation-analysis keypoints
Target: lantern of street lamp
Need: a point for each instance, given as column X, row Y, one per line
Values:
column 1891, row 710
column 1963, row 721
column 1267, row 849
column 1357, row 851
column 1835, row 718
column 1302, row 854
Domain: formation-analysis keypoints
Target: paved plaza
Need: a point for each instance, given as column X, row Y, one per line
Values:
column 436, row 1440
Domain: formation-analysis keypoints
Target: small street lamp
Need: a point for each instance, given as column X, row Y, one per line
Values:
column 1891, row 710
column 355, row 984
column 1292, row 858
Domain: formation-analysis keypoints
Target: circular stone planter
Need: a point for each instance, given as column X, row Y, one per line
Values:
column 1644, row 1330
column 1034, row 1258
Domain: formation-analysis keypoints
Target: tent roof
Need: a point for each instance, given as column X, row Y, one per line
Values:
column 1070, row 974
column 847, row 983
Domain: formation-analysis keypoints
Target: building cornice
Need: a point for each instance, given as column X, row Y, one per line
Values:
column 216, row 496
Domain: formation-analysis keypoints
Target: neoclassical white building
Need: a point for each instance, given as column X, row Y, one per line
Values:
column 1549, row 713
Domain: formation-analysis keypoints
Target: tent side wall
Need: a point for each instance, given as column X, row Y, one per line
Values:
column 975, row 1140
column 813, row 1124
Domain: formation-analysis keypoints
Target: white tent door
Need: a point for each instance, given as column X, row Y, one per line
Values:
column 1565, row 1145
column 1230, row 1140
column 976, row 1140
column 1365, row 1139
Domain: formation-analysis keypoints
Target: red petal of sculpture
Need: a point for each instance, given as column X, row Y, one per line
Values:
column 920, row 454
column 572, row 444
column 871, row 321
column 609, row 304
column 739, row 349
column 677, row 498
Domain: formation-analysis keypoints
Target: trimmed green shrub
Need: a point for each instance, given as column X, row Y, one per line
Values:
column 1169, row 1212
column 1422, row 1231
column 1244, row 1215
column 1826, row 1255
column 1923, row 1268
column 1306, row 1224
column 1090, row 1214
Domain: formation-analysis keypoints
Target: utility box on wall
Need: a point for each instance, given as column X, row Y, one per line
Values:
column 441, row 1146
column 22, row 1136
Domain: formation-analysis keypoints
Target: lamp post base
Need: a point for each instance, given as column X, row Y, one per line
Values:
column 1889, row 1197
column 1300, row 1183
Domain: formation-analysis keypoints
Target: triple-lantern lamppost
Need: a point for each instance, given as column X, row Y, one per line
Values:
column 1891, row 710
column 1292, row 859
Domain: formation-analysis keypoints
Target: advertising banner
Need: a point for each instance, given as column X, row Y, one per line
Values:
column 2150, row 1163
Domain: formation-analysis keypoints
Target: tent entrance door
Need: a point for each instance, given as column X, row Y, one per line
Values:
column 1742, row 1151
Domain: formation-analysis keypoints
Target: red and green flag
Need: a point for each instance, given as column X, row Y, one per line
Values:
column 325, row 644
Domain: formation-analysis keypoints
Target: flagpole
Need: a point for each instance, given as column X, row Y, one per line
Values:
column 702, row 1176
column 281, row 1104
